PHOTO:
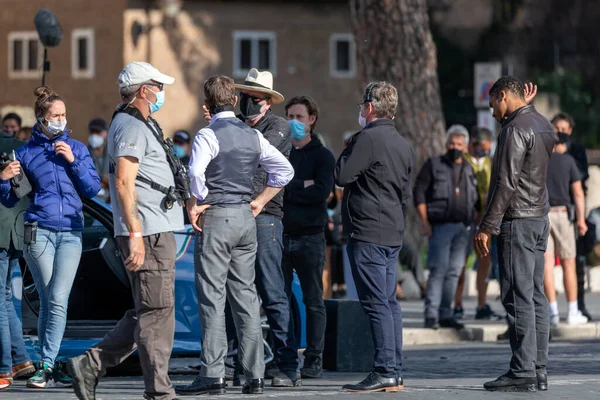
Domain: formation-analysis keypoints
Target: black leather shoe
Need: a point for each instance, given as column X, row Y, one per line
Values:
column 374, row 383
column 254, row 386
column 451, row 323
column 202, row 385
column 542, row 382
column 286, row 379
column 510, row 383
column 504, row 336
column 400, row 383
column 431, row 323
column 586, row 313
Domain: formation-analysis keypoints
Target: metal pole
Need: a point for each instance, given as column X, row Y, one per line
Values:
column 46, row 66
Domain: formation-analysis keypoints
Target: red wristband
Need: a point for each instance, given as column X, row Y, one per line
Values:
column 135, row 235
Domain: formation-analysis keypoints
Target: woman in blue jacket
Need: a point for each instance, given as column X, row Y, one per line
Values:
column 61, row 172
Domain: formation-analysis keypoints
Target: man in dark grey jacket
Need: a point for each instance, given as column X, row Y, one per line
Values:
column 375, row 170
column 517, row 212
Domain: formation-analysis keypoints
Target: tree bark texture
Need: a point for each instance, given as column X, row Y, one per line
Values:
column 394, row 43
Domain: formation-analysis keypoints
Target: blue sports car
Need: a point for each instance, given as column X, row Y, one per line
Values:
column 101, row 294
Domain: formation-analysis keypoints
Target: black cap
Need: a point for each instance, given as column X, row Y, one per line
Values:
column 181, row 136
column 97, row 125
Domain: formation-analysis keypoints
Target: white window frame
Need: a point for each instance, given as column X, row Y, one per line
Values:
column 89, row 34
column 333, row 71
column 254, row 37
column 25, row 74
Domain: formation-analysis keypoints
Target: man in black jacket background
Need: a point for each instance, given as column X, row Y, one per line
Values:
column 517, row 211
column 564, row 123
column 375, row 171
column 304, row 219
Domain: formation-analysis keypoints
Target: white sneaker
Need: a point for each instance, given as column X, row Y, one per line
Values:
column 577, row 319
column 554, row 320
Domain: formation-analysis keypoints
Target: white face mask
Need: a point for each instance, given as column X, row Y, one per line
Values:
column 56, row 127
column 362, row 121
column 95, row 141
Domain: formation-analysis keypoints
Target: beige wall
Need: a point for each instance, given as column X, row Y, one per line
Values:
column 86, row 98
column 202, row 45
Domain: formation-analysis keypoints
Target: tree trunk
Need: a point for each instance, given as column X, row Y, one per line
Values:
column 394, row 43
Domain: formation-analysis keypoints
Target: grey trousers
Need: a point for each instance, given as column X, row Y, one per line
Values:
column 224, row 264
column 150, row 326
column 521, row 247
column 446, row 257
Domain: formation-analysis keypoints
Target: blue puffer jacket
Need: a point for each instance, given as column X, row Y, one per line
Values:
column 57, row 185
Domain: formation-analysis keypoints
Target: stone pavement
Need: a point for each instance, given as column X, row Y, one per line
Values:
column 487, row 331
column 455, row 371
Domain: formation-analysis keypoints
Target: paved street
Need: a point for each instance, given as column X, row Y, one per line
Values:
column 431, row 372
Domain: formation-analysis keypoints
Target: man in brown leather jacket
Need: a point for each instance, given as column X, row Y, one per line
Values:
column 517, row 212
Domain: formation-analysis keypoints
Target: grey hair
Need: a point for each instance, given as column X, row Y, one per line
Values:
column 128, row 91
column 457, row 130
column 384, row 98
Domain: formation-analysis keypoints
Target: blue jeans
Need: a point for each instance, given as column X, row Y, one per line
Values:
column 374, row 272
column 306, row 255
column 270, row 287
column 448, row 246
column 12, row 346
column 53, row 260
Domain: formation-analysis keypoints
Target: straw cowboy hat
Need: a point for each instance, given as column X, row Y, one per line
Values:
column 261, row 82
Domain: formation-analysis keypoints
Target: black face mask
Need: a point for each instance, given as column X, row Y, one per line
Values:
column 480, row 152
column 563, row 138
column 248, row 108
column 453, row 154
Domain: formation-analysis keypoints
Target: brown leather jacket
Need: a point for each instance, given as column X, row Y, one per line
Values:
column 518, row 183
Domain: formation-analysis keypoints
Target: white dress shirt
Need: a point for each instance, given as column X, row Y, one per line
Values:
column 206, row 148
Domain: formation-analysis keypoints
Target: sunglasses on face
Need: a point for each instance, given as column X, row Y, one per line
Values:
column 254, row 99
column 158, row 85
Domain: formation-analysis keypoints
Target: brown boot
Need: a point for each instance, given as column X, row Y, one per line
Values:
column 23, row 370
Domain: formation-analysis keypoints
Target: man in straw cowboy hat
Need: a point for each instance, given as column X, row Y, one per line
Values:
column 256, row 97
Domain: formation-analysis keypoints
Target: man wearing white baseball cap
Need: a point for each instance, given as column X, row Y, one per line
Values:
column 144, row 219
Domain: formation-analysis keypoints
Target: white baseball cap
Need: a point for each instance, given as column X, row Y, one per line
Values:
column 139, row 72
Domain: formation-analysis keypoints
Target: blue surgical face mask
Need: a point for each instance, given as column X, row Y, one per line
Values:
column 179, row 151
column 160, row 100
column 297, row 131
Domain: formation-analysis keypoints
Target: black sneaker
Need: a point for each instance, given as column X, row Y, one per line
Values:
column 431, row 323
column 60, row 376
column 451, row 323
column 254, row 386
column 459, row 312
column 286, row 379
column 374, row 383
column 586, row 313
column 42, row 377
column 313, row 368
column 510, row 383
column 485, row 312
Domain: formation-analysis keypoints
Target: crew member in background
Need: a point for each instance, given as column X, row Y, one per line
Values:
column 182, row 146
column 567, row 205
column 98, row 133
column 447, row 201
column 478, row 157
column 304, row 219
column 11, row 124
column 564, row 123
column 375, row 171
column 14, row 359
